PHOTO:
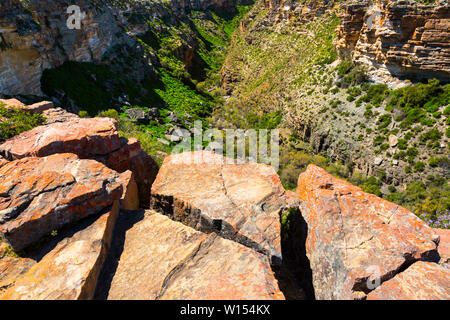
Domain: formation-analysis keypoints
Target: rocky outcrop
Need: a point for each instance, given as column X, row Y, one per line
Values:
column 36, row 37
column 355, row 239
column 163, row 259
column 39, row 195
column 421, row 281
column 38, row 107
column 399, row 38
column 70, row 271
column 444, row 244
column 93, row 138
column 241, row 202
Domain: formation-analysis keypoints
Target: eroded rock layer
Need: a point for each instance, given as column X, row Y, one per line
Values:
column 93, row 138
column 355, row 238
column 39, row 195
column 163, row 259
column 69, row 271
column 241, row 202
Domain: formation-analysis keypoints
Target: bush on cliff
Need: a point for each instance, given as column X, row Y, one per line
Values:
column 15, row 121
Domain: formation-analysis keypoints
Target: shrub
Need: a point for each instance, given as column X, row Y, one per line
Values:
column 419, row 166
column 15, row 121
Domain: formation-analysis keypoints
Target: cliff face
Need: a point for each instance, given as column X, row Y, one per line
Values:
column 36, row 37
column 399, row 38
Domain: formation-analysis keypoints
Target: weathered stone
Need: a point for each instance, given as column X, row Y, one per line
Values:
column 94, row 138
column 130, row 196
column 38, row 195
column 163, row 259
column 241, row 202
column 85, row 137
column 71, row 270
column 355, row 237
column 393, row 141
column 12, row 269
column 58, row 115
column 421, row 281
column 444, row 244
column 398, row 38
column 377, row 161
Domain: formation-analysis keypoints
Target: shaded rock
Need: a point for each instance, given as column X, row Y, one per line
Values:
column 70, row 271
column 241, row 202
column 130, row 196
column 355, row 238
column 153, row 113
column 38, row 195
column 137, row 114
column 163, row 259
column 421, row 281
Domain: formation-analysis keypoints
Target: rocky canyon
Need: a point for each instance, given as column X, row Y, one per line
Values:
column 97, row 202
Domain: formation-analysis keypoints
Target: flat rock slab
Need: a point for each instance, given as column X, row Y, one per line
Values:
column 421, row 281
column 355, row 237
column 164, row 259
column 39, row 195
column 69, row 271
column 87, row 138
column 241, row 202
column 11, row 269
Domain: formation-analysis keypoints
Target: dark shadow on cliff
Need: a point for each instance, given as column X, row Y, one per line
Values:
column 125, row 221
column 295, row 275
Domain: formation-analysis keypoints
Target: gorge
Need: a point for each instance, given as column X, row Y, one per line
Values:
column 95, row 205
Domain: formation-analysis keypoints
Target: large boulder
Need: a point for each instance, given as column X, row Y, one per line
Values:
column 241, row 202
column 164, row 259
column 355, row 239
column 87, row 138
column 421, row 281
column 68, row 272
column 92, row 138
column 39, row 195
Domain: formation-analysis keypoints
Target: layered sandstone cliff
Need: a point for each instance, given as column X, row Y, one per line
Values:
column 399, row 38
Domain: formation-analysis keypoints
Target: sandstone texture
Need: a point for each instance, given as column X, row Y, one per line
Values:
column 70, row 271
column 39, row 195
column 444, row 244
column 164, row 259
column 241, row 202
column 355, row 238
column 399, row 38
column 91, row 138
column 421, row 281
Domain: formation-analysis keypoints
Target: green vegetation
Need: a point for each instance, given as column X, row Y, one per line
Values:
column 15, row 121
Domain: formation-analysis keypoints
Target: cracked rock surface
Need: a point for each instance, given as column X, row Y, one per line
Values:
column 164, row 259
column 39, row 195
column 69, row 271
column 355, row 238
column 240, row 202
